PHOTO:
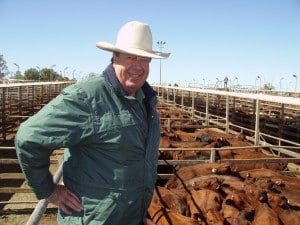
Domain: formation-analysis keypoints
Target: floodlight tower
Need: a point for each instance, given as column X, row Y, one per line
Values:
column 161, row 45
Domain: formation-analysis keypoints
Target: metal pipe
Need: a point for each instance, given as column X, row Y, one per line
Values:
column 213, row 155
column 167, row 94
column 174, row 99
column 41, row 207
column 206, row 110
column 7, row 148
column 189, row 162
column 182, row 98
column 193, row 104
column 227, row 115
column 257, row 111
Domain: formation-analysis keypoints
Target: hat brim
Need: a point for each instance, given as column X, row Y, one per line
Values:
column 150, row 54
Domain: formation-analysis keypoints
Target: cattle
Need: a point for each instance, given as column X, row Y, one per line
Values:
column 187, row 173
column 233, row 193
column 265, row 215
column 234, row 216
column 172, row 200
column 206, row 204
column 162, row 216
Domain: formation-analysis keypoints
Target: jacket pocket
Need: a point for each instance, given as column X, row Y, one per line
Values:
column 103, row 211
column 65, row 219
column 110, row 127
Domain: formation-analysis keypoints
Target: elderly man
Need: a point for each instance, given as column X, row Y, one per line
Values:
column 111, row 130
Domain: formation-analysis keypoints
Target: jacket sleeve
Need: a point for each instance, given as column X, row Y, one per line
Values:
column 63, row 122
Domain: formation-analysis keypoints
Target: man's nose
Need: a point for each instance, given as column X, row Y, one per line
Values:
column 138, row 61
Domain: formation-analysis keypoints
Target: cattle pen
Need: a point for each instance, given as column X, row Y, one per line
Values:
column 269, row 121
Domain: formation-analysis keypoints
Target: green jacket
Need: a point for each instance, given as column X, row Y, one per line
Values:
column 112, row 142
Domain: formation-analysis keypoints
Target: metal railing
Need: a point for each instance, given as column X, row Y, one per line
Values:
column 41, row 206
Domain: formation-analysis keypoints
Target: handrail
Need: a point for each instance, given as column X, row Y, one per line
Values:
column 41, row 206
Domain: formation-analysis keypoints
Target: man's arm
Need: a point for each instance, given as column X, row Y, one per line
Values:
column 61, row 123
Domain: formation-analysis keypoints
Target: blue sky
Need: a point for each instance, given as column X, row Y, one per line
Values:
column 208, row 39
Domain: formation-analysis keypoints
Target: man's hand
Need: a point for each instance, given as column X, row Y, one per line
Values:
column 66, row 200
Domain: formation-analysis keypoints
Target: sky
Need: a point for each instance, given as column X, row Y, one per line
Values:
column 252, row 42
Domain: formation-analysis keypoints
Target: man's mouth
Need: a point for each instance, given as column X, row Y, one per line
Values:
column 135, row 76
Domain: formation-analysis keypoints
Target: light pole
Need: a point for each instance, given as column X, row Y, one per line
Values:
column 217, row 83
column 294, row 75
column 237, row 81
column 51, row 74
column 280, row 82
column 73, row 74
column 17, row 65
column 79, row 75
column 39, row 69
column 258, row 77
column 161, row 45
column 65, row 70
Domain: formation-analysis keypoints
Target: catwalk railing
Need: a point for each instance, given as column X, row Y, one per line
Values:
column 18, row 101
column 266, row 117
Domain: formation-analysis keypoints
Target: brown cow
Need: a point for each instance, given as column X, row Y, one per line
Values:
column 282, row 208
column 170, row 199
column 206, row 203
column 264, row 215
column 162, row 216
column 233, row 216
column 187, row 173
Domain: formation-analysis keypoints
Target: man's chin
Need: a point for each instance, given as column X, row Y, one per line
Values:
column 134, row 82
column 133, row 86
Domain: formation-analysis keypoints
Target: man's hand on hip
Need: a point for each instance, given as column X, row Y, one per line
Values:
column 66, row 200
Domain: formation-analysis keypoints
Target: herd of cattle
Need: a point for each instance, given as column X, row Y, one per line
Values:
column 223, row 193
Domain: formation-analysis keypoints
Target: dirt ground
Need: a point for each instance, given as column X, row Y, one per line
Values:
column 13, row 219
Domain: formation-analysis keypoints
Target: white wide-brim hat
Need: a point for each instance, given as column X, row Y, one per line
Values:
column 134, row 38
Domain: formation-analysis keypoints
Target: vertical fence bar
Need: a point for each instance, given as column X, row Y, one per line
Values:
column 182, row 98
column 193, row 104
column 213, row 155
column 167, row 95
column 257, row 111
column 227, row 115
column 206, row 110
column 174, row 97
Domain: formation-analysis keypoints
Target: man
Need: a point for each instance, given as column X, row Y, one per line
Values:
column 111, row 128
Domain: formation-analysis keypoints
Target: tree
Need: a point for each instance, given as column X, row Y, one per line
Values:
column 31, row 74
column 49, row 75
column 18, row 76
column 268, row 86
column 3, row 67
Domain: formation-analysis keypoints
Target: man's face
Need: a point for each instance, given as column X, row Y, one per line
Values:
column 132, row 71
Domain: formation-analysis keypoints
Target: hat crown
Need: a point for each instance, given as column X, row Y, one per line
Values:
column 135, row 35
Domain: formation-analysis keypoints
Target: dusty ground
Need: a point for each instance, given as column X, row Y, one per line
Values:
column 18, row 214
column 48, row 219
